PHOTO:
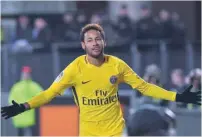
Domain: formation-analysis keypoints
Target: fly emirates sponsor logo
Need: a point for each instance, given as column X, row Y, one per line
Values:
column 100, row 99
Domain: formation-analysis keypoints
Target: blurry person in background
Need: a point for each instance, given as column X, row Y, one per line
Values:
column 23, row 90
column 23, row 29
column 179, row 34
column 81, row 20
column 150, row 120
column 178, row 84
column 22, row 36
column 111, row 34
column 178, row 80
column 153, row 75
column 67, row 31
column 96, row 18
column 153, row 71
column 123, row 27
column 166, row 26
column 194, row 78
column 41, row 33
column 146, row 26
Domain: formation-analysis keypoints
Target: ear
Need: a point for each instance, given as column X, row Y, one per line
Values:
column 83, row 45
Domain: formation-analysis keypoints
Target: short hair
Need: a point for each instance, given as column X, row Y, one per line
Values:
column 177, row 71
column 91, row 27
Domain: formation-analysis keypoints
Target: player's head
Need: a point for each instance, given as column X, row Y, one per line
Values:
column 26, row 73
column 93, row 40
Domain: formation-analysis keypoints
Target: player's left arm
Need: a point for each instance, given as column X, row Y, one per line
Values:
column 130, row 77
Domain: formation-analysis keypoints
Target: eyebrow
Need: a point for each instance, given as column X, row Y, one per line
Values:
column 92, row 38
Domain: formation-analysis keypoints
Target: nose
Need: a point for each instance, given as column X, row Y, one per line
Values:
column 95, row 43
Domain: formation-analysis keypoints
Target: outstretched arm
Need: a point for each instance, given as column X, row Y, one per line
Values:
column 63, row 81
column 130, row 77
column 187, row 96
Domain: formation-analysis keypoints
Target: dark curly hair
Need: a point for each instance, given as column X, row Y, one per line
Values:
column 91, row 27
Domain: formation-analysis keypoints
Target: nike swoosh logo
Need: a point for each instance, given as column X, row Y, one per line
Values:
column 84, row 82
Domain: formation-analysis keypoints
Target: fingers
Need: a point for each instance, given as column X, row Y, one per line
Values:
column 189, row 88
column 4, row 114
column 14, row 103
column 7, row 117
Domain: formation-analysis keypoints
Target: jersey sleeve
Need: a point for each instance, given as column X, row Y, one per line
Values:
column 64, row 80
column 128, row 76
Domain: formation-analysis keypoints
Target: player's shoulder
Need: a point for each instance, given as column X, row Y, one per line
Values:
column 114, row 59
column 78, row 61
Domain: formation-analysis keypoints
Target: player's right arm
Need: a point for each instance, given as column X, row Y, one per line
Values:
column 65, row 79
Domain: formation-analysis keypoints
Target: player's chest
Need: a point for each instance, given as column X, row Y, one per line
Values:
column 98, row 78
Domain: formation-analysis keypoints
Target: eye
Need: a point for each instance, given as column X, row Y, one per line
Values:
column 89, row 40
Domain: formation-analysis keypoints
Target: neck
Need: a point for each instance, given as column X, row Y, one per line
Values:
column 96, row 61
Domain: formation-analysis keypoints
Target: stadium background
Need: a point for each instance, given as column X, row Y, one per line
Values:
column 172, row 39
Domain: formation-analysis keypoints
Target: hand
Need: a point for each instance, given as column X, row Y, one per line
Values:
column 12, row 110
column 189, row 97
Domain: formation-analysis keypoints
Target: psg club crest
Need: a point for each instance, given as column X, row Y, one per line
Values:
column 113, row 79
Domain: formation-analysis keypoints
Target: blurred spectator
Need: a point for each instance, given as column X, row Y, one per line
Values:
column 96, row 18
column 23, row 29
column 41, row 33
column 166, row 26
column 153, row 75
column 81, row 20
column 67, row 31
column 111, row 35
column 152, row 70
column 152, row 121
column 194, row 78
column 146, row 26
column 123, row 27
column 178, row 80
column 178, row 84
column 179, row 34
column 22, row 36
column 22, row 91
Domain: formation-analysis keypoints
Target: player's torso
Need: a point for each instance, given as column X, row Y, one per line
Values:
column 96, row 92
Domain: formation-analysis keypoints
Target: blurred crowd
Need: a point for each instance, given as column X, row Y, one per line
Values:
column 166, row 25
column 179, row 82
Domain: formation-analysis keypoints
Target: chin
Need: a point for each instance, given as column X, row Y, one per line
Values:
column 96, row 55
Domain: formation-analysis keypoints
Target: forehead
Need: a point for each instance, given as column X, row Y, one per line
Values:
column 92, row 33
